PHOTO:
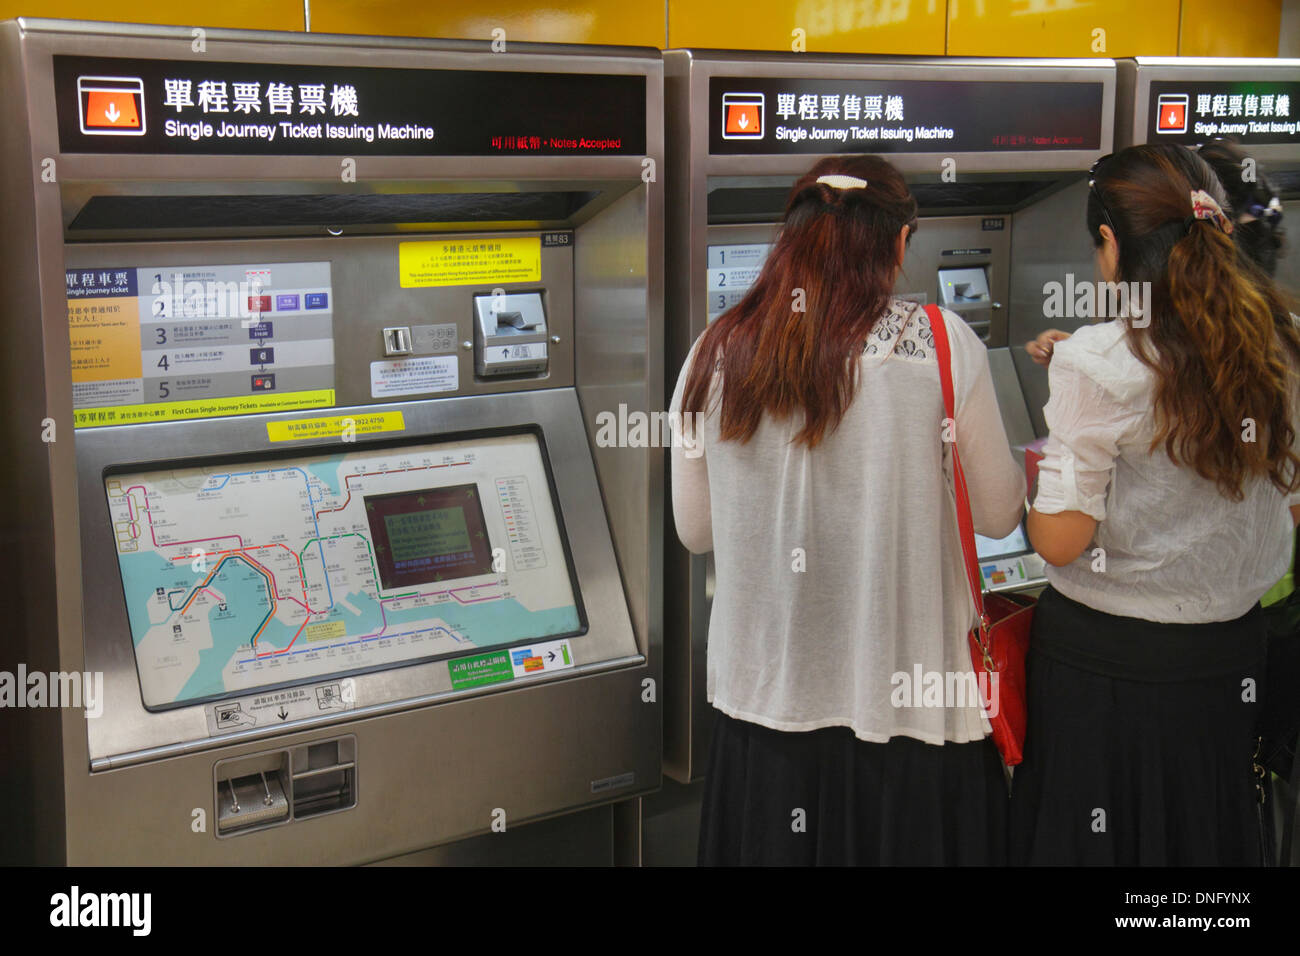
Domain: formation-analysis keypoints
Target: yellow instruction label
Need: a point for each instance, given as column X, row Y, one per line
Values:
column 438, row 262
column 326, row 630
column 336, row 426
column 105, row 339
column 201, row 408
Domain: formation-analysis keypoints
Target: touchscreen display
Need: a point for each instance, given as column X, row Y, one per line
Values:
column 963, row 286
column 434, row 534
column 1014, row 543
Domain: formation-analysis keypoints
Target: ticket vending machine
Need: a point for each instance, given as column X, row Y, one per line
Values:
column 995, row 151
column 1256, row 102
column 313, row 537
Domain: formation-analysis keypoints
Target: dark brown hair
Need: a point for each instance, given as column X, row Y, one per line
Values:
column 836, row 257
column 1219, row 331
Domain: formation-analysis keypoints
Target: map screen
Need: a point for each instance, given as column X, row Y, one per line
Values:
column 266, row 573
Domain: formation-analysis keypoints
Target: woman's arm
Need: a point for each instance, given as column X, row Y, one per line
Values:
column 995, row 482
column 692, row 509
column 1084, row 426
column 1062, row 537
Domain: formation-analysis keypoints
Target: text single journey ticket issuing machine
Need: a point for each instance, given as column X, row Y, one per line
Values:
column 1253, row 102
column 334, row 319
column 995, row 152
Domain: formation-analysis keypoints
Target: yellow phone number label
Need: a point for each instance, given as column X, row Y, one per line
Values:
column 336, row 426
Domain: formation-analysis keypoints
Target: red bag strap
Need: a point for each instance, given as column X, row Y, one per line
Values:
column 965, row 526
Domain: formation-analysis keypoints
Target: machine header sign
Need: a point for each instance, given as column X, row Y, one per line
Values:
column 1256, row 112
column 111, row 105
column 752, row 115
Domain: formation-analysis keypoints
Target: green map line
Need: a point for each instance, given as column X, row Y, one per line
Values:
column 369, row 553
column 344, row 534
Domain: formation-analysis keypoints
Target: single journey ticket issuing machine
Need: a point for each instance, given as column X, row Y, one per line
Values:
column 306, row 343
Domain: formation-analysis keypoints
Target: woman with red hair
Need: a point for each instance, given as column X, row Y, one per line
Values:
column 824, row 489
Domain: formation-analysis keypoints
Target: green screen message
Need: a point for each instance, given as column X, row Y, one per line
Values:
column 423, row 534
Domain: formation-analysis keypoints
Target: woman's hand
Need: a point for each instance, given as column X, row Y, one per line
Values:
column 1040, row 349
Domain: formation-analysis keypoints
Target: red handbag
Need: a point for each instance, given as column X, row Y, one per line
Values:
column 999, row 642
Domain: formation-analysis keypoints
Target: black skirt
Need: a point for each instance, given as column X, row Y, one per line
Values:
column 1140, row 740
column 825, row 797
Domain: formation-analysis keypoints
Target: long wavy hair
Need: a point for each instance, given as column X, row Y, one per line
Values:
column 791, row 344
column 1219, row 331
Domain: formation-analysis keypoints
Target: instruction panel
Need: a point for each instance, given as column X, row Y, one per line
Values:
column 162, row 343
column 732, row 270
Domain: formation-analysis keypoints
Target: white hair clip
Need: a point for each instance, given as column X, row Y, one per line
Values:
column 843, row 182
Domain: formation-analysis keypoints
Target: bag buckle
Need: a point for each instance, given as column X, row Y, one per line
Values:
column 1261, row 774
column 982, row 639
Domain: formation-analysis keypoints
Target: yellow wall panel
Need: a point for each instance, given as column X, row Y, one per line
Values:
column 1239, row 28
column 829, row 26
column 634, row 22
column 958, row 27
column 232, row 14
column 1064, row 27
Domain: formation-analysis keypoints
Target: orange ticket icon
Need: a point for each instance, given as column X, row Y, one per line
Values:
column 111, row 105
column 1172, row 115
column 742, row 116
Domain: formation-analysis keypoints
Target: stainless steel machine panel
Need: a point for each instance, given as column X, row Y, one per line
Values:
column 366, row 259
column 135, row 727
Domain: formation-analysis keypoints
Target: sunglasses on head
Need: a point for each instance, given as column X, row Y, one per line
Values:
column 1092, row 185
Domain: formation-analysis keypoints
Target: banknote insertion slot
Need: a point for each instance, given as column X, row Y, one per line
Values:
column 966, row 291
column 510, row 334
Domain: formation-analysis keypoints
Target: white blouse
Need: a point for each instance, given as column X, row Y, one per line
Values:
column 839, row 568
column 1172, row 548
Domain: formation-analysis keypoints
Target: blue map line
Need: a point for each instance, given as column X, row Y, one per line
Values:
column 311, row 500
column 361, row 640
